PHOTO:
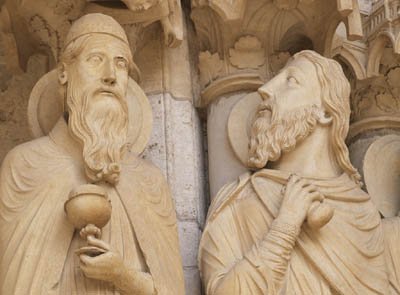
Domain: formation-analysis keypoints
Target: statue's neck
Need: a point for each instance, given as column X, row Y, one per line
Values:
column 313, row 157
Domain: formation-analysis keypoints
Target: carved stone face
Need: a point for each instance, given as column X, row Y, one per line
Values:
column 97, row 82
column 103, row 67
column 295, row 86
column 294, row 99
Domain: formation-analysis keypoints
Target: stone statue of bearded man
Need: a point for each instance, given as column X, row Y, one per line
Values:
column 88, row 144
column 262, row 236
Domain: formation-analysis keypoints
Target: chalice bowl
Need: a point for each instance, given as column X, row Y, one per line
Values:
column 88, row 209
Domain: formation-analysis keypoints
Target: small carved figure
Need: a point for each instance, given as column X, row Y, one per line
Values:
column 258, row 238
column 84, row 163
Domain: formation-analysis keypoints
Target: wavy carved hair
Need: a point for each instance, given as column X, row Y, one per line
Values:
column 102, row 132
column 335, row 93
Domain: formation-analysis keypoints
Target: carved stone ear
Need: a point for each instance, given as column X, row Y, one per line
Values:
column 62, row 74
column 324, row 118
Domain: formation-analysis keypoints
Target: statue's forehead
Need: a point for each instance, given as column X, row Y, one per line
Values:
column 302, row 63
column 106, row 44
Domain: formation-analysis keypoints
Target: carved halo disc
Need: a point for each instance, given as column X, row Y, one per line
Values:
column 239, row 125
column 46, row 106
column 382, row 174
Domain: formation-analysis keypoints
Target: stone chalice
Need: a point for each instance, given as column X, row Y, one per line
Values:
column 88, row 209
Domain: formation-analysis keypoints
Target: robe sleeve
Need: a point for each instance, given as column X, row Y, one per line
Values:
column 147, row 197
column 34, row 182
column 231, row 263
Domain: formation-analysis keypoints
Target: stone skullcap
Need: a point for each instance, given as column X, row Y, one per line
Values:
column 98, row 23
column 95, row 23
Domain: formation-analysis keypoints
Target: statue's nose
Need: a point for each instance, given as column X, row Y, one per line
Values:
column 273, row 87
column 265, row 92
column 108, row 76
column 109, row 80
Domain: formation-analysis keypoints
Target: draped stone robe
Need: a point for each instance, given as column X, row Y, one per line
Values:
column 346, row 256
column 37, row 241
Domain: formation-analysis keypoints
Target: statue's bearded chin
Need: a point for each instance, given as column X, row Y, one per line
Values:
column 100, row 124
column 273, row 134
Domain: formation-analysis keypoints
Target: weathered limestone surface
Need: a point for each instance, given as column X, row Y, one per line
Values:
column 179, row 132
column 197, row 60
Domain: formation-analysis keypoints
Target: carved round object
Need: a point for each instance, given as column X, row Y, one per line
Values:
column 88, row 204
column 46, row 106
column 239, row 125
column 381, row 170
column 319, row 215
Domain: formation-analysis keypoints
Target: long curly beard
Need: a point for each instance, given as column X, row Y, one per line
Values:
column 100, row 124
column 272, row 135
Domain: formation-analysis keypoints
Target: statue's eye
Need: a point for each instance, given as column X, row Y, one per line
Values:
column 292, row 80
column 95, row 59
column 122, row 63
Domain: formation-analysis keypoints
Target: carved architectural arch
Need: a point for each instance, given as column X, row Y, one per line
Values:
column 208, row 29
column 396, row 46
column 376, row 51
column 296, row 39
column 285, row 27
column 352, row 61
column 329, row 37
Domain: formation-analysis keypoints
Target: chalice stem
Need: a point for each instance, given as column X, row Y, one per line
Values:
column 90, row 232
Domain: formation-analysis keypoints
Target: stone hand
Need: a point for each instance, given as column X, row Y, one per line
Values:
column 105, row 267
column 110, row 267
column 299, row 195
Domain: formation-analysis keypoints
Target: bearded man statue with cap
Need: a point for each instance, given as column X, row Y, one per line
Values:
column 92, row 134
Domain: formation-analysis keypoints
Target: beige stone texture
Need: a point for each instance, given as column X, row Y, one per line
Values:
column 199, row 63
column 80, row 211
column 224, row 167
column 279, row 229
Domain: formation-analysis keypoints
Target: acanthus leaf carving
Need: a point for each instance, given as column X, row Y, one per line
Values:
column 210, row 66
column 247, row 53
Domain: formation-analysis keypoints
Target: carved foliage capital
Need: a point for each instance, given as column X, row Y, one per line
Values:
column 247, row 53
column 210, row 66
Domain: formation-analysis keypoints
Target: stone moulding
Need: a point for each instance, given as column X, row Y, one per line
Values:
column 238, row 82
column 362, row 126
column 376, row 51
column 356, row 64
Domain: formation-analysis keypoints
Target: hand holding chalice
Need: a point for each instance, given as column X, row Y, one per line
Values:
column 88, row 209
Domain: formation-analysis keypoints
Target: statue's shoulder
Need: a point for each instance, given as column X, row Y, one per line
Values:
column 32, row 164
column 29, row 150
column 228, row 194
column 263, row 185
